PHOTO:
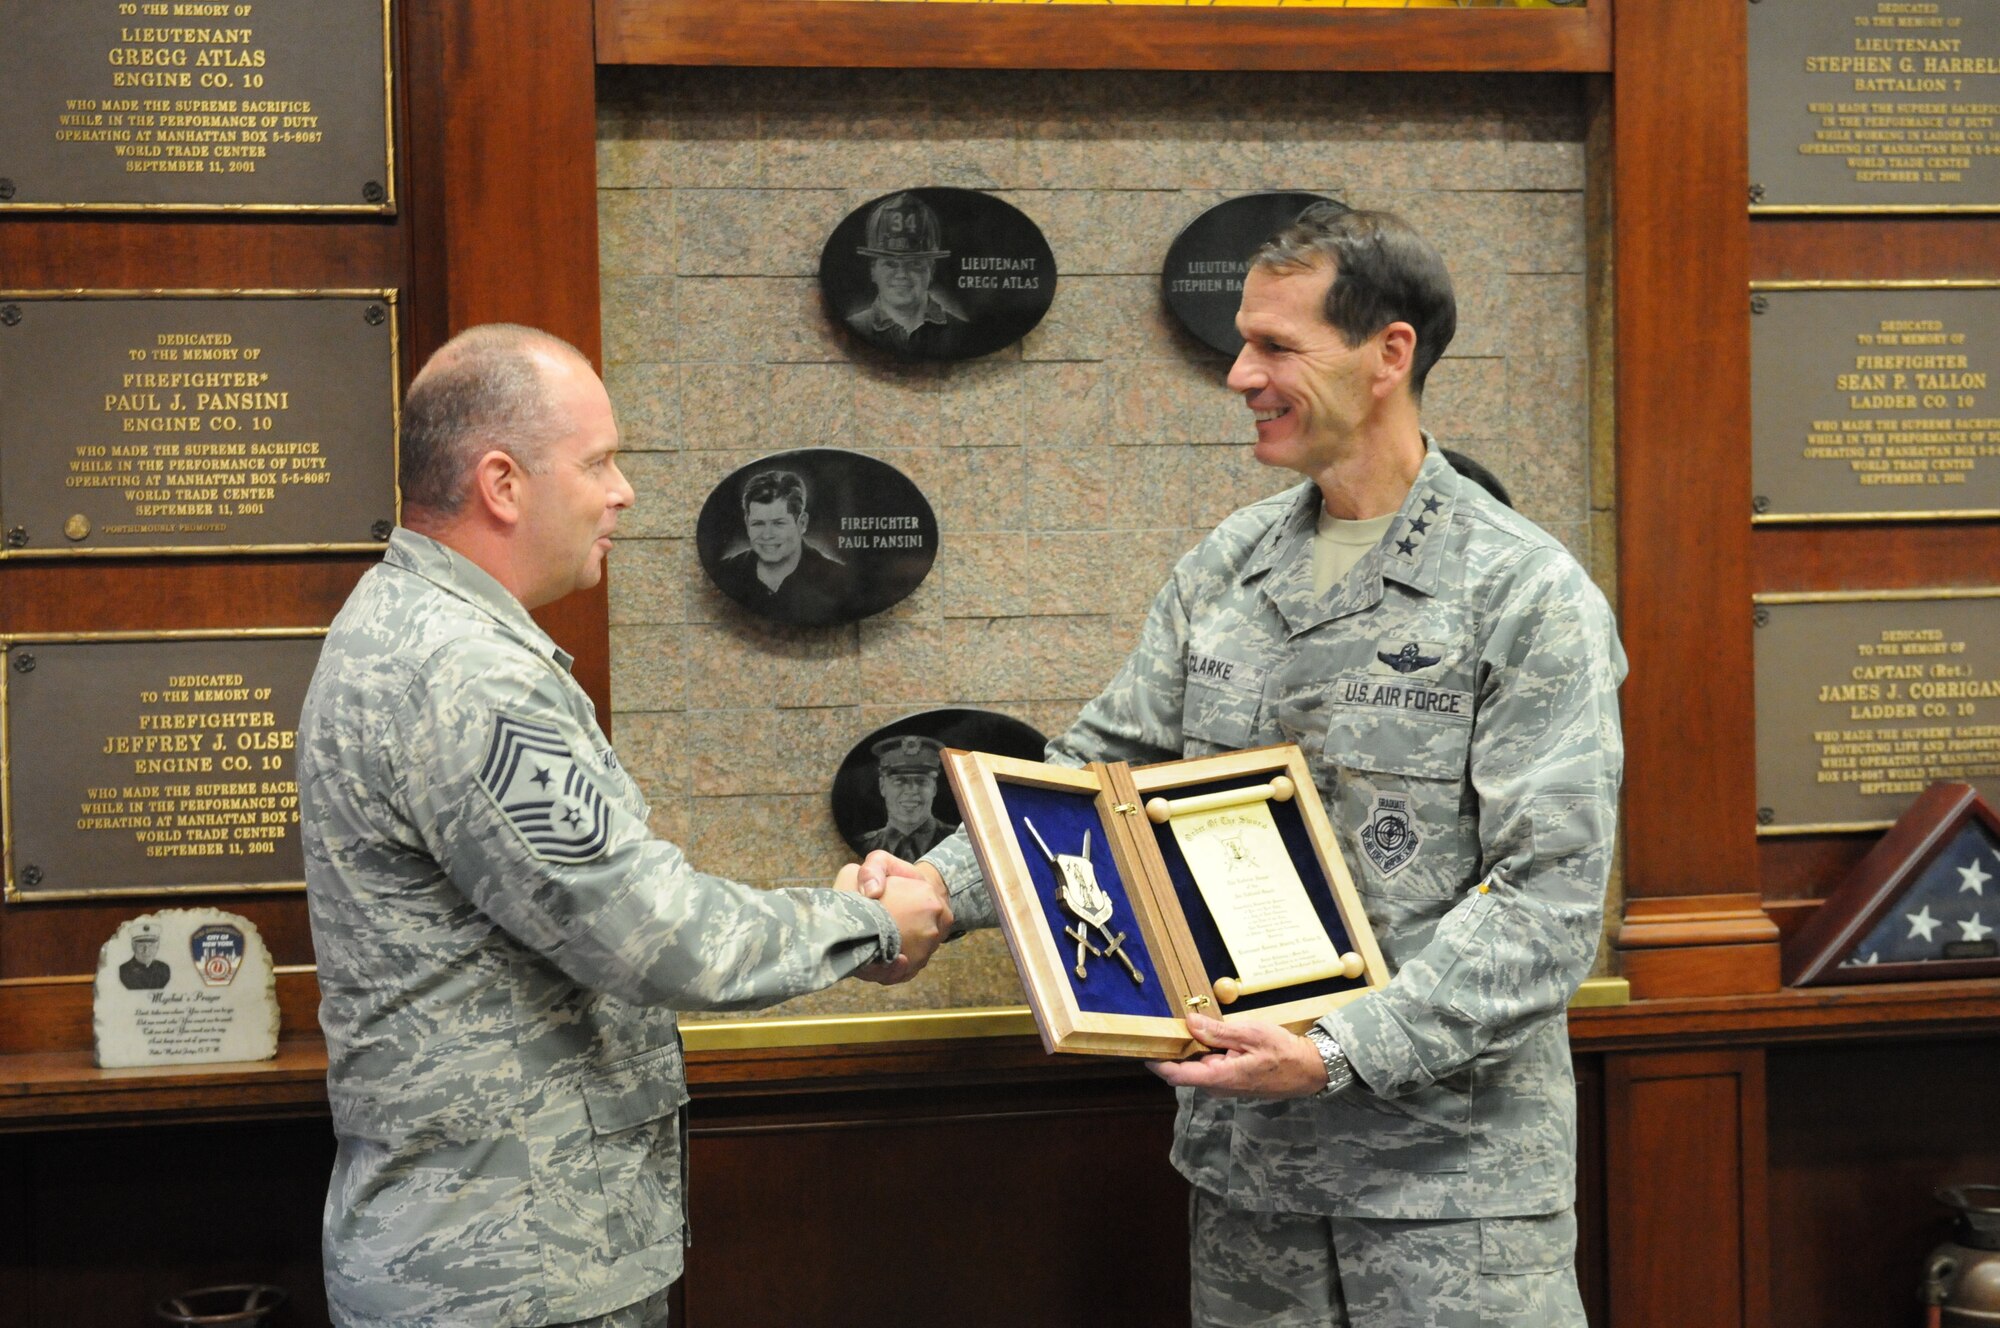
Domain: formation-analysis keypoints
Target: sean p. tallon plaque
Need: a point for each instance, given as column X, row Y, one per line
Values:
column 193, row 422
column 199, row 105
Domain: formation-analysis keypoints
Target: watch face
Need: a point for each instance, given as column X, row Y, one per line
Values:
column 817, row 536
column 891, row 792
column 938, row 274
column 1202, row 278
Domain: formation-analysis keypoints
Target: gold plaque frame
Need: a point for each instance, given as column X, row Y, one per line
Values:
column 1942, row 514
column 12, row 891
column 385, row 208
column 388, row 297
column 1857, row 597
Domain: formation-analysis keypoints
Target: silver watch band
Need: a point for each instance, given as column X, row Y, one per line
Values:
column 1339, row 1070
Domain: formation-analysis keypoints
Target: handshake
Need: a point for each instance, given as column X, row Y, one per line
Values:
column 916, row 898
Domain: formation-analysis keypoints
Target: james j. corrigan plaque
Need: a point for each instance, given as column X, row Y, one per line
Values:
column 179, row 422
column 1875, row 400
column 272, row 105
column 1865, row 698
column 1874, row 105
column 152, row 764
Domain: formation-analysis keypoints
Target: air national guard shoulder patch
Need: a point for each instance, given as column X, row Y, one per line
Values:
column 542, row 791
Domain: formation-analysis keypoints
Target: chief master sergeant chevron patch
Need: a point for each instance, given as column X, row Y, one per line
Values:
column 557, row 809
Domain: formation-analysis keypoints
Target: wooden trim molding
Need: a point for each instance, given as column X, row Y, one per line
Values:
column 822, row 33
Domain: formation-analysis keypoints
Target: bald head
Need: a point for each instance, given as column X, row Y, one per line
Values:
column 487, row 389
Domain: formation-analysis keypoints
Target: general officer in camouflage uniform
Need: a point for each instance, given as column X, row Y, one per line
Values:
column 502, row 942
column 1412, row 1161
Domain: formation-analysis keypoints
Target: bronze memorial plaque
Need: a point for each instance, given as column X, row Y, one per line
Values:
column 152, row 764
column 189, row 422
column 1865, row 698
column 1874, row 401
column 1874, row 105
column 198, row 105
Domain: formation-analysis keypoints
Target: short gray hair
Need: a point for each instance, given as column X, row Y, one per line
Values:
column 484, row 390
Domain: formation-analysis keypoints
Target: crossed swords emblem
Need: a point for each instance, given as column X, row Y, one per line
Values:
column 1084, row 899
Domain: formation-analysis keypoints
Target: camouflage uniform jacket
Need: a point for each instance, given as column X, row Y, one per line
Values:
column 1456, row 697
column 501, row 947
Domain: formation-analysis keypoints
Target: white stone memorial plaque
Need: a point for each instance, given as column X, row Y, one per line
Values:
column 185, row 986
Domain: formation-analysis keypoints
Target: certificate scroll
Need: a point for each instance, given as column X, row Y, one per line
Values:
column 1252, row 888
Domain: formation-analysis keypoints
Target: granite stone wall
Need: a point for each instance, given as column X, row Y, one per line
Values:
column 1069, row 471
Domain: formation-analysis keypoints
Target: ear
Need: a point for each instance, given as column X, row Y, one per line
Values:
column 497, row 486
column 805, row 519
column 1398, row 357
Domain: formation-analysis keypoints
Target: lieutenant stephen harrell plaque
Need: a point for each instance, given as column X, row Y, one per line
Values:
column 189, row 422
column 196, row 105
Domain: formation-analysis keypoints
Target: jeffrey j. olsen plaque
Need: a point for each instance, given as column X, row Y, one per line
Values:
column 938, row 274
column 890, row 793
column 152, row 764
column 1865, row 698
column 252, row 105
column 1874, row 401
column 1202, row 278
column 1874, row 105
column 193, row 422
column 817, row 536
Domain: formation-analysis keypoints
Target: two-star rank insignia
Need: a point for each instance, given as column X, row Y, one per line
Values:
column 543, row 793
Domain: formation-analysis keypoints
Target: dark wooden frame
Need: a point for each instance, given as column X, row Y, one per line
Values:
column 956, row 36
column 1812, row 955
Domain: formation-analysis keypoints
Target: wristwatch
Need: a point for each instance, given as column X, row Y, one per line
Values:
column 1339, row 1070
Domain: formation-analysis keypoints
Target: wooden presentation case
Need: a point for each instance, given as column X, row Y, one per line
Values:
column 1160, row 901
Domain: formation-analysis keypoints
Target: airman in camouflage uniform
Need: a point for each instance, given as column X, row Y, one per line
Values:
column 502, row 943
column 1455, row 694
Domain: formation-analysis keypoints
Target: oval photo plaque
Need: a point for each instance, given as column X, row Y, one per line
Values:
column 891, row 792
column 1203, row 275
column 816, row 536
column 938, row 274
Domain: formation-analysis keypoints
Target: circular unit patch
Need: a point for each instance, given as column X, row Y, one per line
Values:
column 1202, row 278
column 817, row 536
column 937, row 274
column 891, row 791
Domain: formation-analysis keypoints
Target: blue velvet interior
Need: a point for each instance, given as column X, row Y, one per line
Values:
column 1062, row 816
column 1214, row 954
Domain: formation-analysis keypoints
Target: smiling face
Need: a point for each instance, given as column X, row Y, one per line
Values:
column 908, row 796
column 902, row 283
column 145, row 949
column 775, row 532
column 1310, row 390
column 571, row 502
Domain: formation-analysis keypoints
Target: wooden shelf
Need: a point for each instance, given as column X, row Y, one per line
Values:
column 831, row 34
column 62, row 1090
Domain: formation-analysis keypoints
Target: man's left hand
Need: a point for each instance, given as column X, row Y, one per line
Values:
column 1253, row 1059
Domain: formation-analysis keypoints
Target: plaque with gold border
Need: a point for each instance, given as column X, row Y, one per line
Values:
column 319, row 479
column 233, row 107
column 151, row 763
column 1160, row 951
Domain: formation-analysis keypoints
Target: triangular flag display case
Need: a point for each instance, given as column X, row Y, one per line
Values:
column 1131, row 895
column 1923, row 905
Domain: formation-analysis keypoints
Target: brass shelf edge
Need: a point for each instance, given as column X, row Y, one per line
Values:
column 1872, row 596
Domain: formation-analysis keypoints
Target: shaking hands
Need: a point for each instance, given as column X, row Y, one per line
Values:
column 915, row 896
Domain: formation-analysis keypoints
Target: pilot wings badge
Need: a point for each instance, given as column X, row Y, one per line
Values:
column 1411, row 657
column 556, row 808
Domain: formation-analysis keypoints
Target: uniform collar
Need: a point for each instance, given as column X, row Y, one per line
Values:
column 1409, row 554
column 458, row 576
column 879, row 319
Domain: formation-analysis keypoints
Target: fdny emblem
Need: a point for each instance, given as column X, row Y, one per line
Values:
column 543, row 793
column 218, row 953
column 1389, row 839
column 1409, row 659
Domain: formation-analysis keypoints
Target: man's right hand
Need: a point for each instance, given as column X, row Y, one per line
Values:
column 885, row 877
